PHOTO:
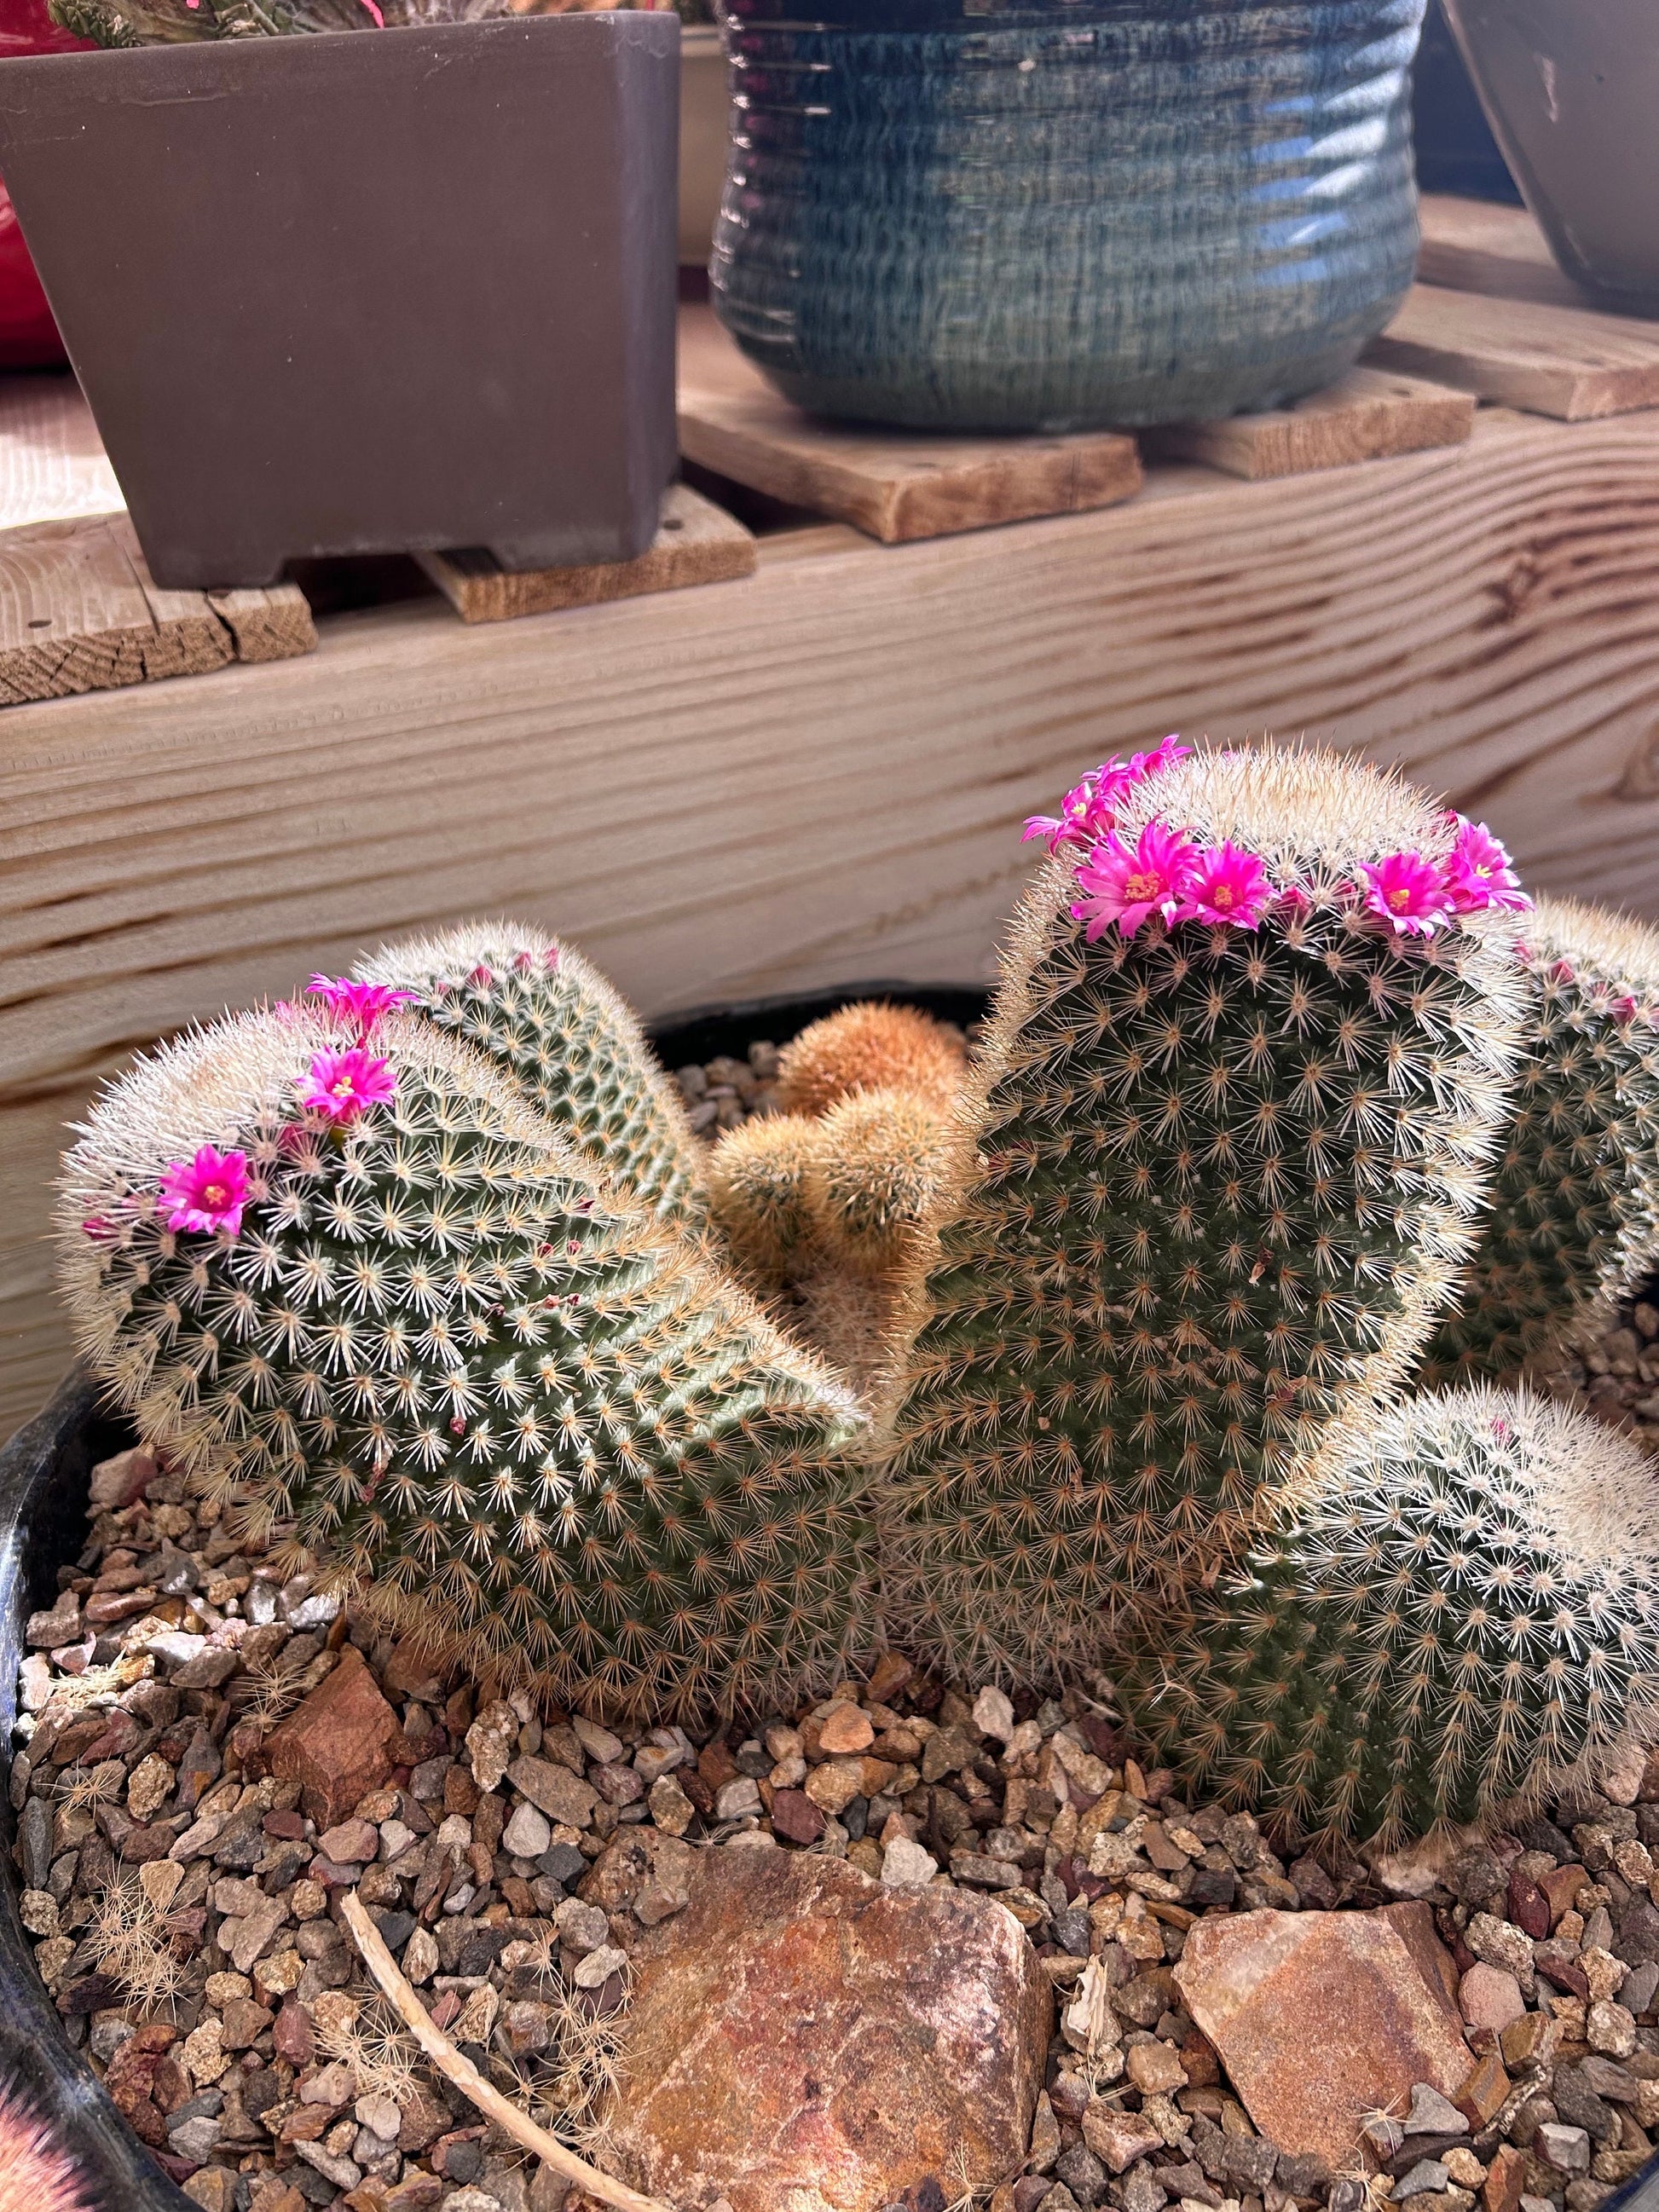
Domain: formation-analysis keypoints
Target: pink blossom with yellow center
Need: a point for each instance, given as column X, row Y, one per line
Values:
column 1228, row 885
column 1088, row 811
column 1408, row 892
column 206, row 1194
column 1128, row 886
column 344, row 1084
column 1479, row 871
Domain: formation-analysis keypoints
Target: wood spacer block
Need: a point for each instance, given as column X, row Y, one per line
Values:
column 1570, row 362
column 78, row 613
column 1366, row 416
column 697, row 543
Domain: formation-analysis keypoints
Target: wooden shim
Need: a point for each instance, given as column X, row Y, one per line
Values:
column 851, row 745
column 272, row 624
column 897, row 485
column 697, row 543
column 1365, row 417
column 52, row 462
column 1569, row 362
column 78, row 613
column 1479, row 246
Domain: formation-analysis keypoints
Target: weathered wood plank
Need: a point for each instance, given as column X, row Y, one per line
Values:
column 1570, row 362
column 825, row 782
column 270, row 623
column 697, row 543
column 1481, row 245
column 897, row 485
column 79, row 613
column 1366, row 416
column 52, row 462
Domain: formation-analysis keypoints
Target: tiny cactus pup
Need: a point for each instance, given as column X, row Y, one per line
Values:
column 551, row 1021
column 875, row 1175
column 871, row 1046
column 1466, row 1611
column 1222, row 1148
column 1574, row 1221
column 364, row 1284
column 756, row 1185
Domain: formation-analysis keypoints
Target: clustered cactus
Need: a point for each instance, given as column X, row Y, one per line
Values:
column 1274, row 1115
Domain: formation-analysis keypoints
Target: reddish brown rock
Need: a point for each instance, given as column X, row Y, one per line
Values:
column 803, row 2040
column 338, row 1745
column 1506, row 2177
column 1321, row 2017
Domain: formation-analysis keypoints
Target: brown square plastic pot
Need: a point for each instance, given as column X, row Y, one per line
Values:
column 366, row 293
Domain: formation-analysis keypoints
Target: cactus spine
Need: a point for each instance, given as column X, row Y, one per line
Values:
column 1216, row 1186
column 395, row 1309
column 548, row 1019
column 1466, row 1610
column 1574, row 1221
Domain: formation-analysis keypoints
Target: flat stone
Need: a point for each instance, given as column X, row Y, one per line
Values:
column 337, row 1744
column 796, row 1818
column 905, row 1865
column 1118, row 2138
column 1567, row 2149
column 349, row 1843
column 1374, row 2013
column 804, row 2039
column 554, row 1789
column 1432, row 2114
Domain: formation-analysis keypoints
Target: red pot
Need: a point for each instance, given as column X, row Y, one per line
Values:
column 29, row 336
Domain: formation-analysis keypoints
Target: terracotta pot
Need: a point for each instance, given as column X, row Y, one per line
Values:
column 1571, row 89
column 405, row 289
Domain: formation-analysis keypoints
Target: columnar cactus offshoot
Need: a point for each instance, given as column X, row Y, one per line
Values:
column 1225, row 1136
column 1467, row 1609
column 1574, row 1221
column 332, row 1257
column 549, row 1019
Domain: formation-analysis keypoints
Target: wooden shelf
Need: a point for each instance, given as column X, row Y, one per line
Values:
column 816, row 773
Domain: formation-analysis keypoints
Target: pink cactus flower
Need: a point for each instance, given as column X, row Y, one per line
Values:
column 1406, row 891
column 362, row 1003
column 1126, row 887
column 1623, row 1009
column 523, row 962
column 1088, row 811
column 1479, row 872
column 344, row 1084
column 551, row 958
column 99, row 1228
column 482, row 976
column 1228, row 885
column 207, row 1194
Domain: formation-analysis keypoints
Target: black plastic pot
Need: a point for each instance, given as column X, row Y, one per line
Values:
column 366, row 293
column 1455, row 150
column 44, row 1472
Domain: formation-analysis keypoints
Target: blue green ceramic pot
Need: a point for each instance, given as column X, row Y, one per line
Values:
column 1019, row 214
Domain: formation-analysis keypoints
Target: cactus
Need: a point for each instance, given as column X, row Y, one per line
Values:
column 36, row 2175
column 1466, row 1612
column 374, row 1293
column 874, row 1176
column 756, row 1185
column 1574, row 1222
column 1220, row 1151
column 171, row 22
column 547, row 1017
column 869, row 1046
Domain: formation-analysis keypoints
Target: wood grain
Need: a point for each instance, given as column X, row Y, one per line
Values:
column 266, row 624
column 896, row 485
column 1368, row 414
column 826, row 782
column 1570, row 362
column 697, row 543
column 1479, row 246
column 52, row 462
column 79, row 613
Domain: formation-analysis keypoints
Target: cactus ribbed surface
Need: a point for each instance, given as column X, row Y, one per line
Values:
column 1219, row 1184
column 549, row 1442
column 548, row 1018
column 1574, row 1221
column 1467, row 1608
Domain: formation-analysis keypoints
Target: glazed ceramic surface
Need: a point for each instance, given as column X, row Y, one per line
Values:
column 1571, row 90
column 1042, row 214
